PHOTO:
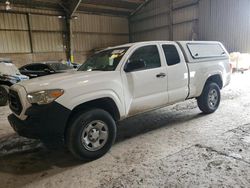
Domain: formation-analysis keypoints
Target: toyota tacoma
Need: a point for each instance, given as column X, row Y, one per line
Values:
column 81, row 109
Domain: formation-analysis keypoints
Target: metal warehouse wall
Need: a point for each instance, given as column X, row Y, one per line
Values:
column 91, row 32
column 151, row 22
column 165, row 20
column 29, row 35
column 227, row 21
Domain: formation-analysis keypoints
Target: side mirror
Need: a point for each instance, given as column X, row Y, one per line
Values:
column 135, row 65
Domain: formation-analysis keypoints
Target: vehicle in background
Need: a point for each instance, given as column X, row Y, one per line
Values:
column 9, row 75
column 75, row 65
column 38, row 69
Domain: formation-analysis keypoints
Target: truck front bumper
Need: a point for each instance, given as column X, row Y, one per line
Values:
column 45, row 122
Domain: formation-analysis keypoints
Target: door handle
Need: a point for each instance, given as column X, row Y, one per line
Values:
column 161, row 75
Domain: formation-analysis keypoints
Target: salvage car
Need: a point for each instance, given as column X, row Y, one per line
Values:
column 38, row 69
column 9, row 75
column 80, row 109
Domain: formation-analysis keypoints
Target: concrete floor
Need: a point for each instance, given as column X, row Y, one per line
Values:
column 175, row 146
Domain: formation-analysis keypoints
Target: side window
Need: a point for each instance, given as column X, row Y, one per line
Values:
column 30, row 67
column 37, row 67
column 22, row 68
column 171, row 54
column 148, row 54
column 42, row 67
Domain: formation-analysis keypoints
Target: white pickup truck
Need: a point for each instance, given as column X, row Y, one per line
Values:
column 80, row 109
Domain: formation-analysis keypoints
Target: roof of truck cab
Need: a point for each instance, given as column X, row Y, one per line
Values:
column 134, row 43
column 157, row 41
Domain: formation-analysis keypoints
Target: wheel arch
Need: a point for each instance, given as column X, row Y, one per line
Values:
column 104, row 103
column 216, row 78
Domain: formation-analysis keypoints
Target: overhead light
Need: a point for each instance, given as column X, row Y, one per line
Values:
column 61, row 17
column 75, row 17
column 8, row 7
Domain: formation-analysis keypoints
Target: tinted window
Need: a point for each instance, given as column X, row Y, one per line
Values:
column 37, row 67
column 171, row 54
column 148, row 54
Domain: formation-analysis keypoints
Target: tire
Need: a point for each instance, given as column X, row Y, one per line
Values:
column 3, row 96
column 91, row 134
column 209, row 100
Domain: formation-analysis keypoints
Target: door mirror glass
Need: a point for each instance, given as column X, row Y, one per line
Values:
column 135, row 65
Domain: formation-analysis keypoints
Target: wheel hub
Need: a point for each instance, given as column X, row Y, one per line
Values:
column 94, row 135
column 213, row 98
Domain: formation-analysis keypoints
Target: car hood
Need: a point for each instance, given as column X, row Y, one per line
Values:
column 22, row 77
column 66, row 80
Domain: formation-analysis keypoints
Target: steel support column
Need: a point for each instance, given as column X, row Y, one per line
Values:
column 171, row 25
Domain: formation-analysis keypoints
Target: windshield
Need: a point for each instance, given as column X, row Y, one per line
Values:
column 8, row 69
column 104, row 61
column 59, row 66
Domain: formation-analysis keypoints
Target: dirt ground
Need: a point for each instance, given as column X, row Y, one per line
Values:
column 175, row 146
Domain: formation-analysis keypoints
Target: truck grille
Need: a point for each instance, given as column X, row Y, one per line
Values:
column 14, row 102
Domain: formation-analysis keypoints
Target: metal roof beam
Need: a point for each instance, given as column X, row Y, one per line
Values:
column 73, row 5
column 115, row 3
column 105, row 9
column 140, row 7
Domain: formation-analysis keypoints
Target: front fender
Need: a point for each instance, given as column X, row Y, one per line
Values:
column 71, row 103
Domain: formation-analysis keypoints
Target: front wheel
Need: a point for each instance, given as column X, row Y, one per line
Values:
column 91, row 134
column 209, row 100
column 3, row 96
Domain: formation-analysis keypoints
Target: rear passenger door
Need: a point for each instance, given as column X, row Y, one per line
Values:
column 177, row 72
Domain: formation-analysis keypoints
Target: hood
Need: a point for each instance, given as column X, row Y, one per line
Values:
column 22, row 77
column 65, row 80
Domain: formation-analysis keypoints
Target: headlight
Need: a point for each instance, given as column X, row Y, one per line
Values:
column 45, row 96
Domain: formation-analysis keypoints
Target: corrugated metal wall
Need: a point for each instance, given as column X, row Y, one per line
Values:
column 151, row 22
column 14, row 35
column 227, row 21
column 92, row 32
column 41, row 35
column 165, row 20
column 185, row 19
column 19, row 30
column 48, row 33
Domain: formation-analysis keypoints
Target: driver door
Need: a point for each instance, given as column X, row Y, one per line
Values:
column 146, row 88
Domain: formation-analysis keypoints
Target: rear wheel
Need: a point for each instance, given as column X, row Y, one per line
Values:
column 3, row 96
column 209, row 100
column 91, row 134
